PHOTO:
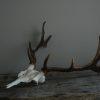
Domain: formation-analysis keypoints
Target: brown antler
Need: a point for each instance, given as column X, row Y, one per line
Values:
column 91, row 66
column 43, row 43
column 31, row 54
column 96, row 59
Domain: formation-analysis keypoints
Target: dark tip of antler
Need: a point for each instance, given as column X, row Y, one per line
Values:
column 47, row 40
column 45, row 69
column 44, row 23
column 72, row 64
column 46, row 60
column 29, row 56
column 43, row 32
column 30, row 46
column 99, row 37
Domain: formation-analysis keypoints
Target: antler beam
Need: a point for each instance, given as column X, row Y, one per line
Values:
column 90, row 66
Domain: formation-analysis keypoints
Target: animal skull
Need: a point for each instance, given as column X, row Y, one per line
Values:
column 30, row 74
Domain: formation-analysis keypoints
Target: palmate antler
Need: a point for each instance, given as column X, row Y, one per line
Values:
column 43, row 43
column 90, row 66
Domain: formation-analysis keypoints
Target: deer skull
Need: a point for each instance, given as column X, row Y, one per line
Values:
column 28, row 75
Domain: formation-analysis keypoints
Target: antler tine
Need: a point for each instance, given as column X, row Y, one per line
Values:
column 47, row 40
column 94, row 66
column 97, row 57
column 46, row 60
column 72, row 64
column 45, row 69
column 30, row 47
column 31, row 54
column 43, row 32
column 41, row 43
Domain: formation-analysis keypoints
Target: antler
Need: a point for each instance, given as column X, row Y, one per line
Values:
column 43, row 43
column 90, row 66
column 96, row 59
column 31, row 54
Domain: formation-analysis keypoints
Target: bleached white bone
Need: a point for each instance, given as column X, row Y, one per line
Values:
column 30, row 68
column 27, row 76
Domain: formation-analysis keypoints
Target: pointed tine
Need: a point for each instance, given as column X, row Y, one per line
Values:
column 32, row 52
column 44, row 68
column 30, row 47
column 29, row 55
column 72, row 64
column 98, row 46
column 97, row 57
column 47, row 40
column 43, row 32
column 46, row 60
column 40, row 44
